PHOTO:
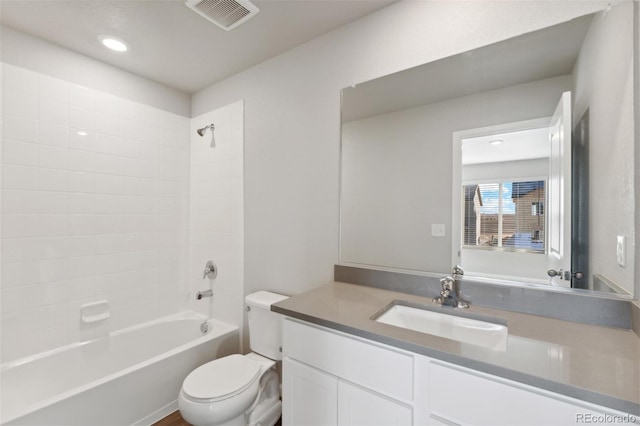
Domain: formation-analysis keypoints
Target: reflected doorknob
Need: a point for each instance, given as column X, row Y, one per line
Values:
column 553, row 273
column 565, row 274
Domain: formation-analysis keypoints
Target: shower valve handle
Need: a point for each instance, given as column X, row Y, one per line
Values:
column 210, row 270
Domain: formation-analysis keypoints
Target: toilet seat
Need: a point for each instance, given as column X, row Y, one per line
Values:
column 221, row 379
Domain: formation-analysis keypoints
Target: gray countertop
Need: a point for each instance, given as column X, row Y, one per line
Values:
column 596, row 364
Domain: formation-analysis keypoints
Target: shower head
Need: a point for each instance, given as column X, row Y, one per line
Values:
column 202, row 131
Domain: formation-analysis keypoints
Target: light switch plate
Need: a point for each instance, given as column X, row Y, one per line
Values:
column 620, row 252
column 437, row 230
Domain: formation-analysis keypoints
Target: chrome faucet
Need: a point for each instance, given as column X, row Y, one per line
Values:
column 448, row 295
column 205, row 293
column 210, row 270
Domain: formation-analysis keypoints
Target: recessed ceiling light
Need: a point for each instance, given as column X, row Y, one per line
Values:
column 113, row 43
column 495, row 142
column 82, row 133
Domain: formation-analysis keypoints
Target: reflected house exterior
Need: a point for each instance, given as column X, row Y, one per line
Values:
column 524, row 229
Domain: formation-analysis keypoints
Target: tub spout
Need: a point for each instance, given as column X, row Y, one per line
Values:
column 205, row 293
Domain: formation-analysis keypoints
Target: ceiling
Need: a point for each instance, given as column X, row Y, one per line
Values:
column 173, row 45
column 513, row 146
column 538, row 55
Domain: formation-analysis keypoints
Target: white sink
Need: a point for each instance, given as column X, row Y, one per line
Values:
column 491, row 335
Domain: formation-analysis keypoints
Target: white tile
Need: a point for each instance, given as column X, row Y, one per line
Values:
column 20, row 104
column 108, row 164
column 81, row 97
column 107, row 144
column 19, row 79
column 53, row 89
column 53, row 112
column 20, row 129
column 53, row 180
column 87, row 266
column 82, row 140
column 82, row 161
column 107, row 104
column 53, row 134
column 18, row 226
column 19, row 273
column 50, row 202
column 108, row 184
column 22, row 153
column 88, row 224
column 53, row 157
column 19, row 177
column 16, row 201
column 108, row 124
column 47, row 225
column 81, row 118
column 148, row 150
column 85, row 245
column 82, row 182
column 53, row 270
column 94, row 204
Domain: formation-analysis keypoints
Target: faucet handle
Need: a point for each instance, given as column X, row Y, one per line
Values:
column 210, row 270
column 457, row 270
column 447, row 282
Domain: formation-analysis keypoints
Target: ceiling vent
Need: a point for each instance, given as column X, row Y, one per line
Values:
column 226, row 14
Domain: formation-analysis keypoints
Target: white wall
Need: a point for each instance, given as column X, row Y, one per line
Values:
column 292, row 115
column 86, row 218
column 604, row 85
column 216, row 230
column 397, row 174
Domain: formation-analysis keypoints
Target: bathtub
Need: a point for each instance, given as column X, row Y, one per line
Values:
column 131, row 377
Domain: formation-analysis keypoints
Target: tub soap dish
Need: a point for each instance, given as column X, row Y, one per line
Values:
column 95, row 311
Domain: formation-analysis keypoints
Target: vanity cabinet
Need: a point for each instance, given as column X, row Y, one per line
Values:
column 311, row 395
column 330, row 379
column 333, row 378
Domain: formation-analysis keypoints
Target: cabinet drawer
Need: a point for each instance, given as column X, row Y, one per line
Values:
column 470, row 398
column 378, row 368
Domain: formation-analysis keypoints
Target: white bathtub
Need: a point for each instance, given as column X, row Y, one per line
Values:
column 131, row 377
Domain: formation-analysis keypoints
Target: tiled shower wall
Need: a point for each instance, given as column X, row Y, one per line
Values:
column 216, row 230
column 94, row 207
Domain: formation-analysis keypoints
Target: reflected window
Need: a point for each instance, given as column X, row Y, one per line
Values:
column 505, row 216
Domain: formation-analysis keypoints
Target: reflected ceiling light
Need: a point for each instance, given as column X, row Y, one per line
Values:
column 82, row 133
column 112, row 43
column 495, row 142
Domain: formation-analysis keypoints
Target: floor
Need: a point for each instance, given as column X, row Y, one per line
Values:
column 173, row 419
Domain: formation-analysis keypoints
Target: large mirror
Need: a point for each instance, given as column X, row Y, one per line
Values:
column 515, row 161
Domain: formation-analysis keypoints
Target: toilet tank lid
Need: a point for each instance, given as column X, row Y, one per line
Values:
column 264, row 299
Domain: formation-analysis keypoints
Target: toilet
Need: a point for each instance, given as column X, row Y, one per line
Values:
column 240, row 389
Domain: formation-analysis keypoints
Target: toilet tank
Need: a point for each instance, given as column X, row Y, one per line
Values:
column 265, row 328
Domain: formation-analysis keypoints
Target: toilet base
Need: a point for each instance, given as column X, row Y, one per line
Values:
column 268, row 408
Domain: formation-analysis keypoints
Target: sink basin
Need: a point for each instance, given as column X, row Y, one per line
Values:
column 474, row 329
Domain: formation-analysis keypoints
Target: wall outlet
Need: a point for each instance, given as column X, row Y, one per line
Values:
column 437, row 230
column 620, row 252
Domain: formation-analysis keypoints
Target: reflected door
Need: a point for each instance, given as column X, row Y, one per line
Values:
column 559, row 252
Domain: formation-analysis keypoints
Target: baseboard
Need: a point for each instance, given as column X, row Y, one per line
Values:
column 158, row 415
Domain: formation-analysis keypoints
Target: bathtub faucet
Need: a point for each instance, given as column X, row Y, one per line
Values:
column 206, row 293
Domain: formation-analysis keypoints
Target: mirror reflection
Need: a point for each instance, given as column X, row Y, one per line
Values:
column 514, row 160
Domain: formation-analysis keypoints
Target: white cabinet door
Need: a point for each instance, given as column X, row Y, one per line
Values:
column 309, row 396
column 360, row 407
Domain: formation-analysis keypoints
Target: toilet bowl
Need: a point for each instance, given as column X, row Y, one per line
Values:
column 221, row 392
column 239, row 389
